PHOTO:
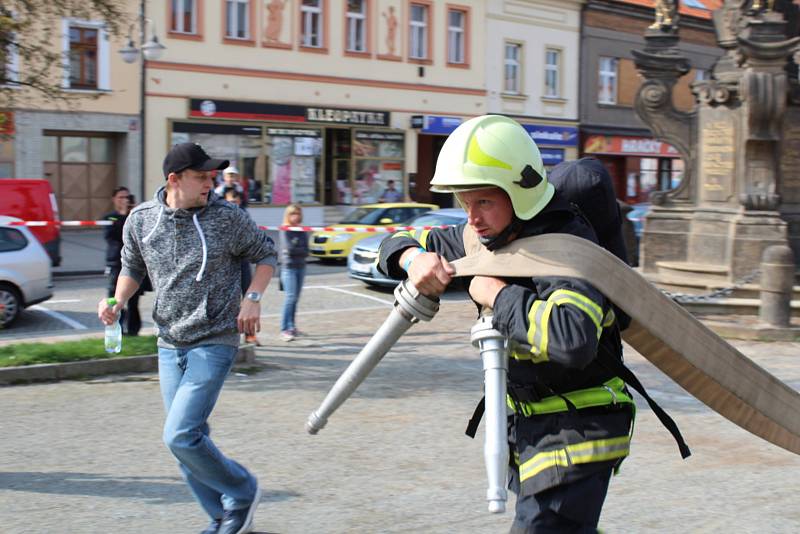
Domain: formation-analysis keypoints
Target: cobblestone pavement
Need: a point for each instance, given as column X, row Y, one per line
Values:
column 87, row 457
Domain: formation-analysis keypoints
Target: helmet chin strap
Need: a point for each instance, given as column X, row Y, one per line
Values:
column 493, row 242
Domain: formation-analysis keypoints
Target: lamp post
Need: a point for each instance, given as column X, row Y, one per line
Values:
column 149, row 51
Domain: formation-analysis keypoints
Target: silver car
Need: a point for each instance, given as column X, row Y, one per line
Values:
column 362, row 262
column 25, row 271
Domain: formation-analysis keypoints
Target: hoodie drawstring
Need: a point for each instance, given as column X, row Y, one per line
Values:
column 158, row 220
column 205, row 248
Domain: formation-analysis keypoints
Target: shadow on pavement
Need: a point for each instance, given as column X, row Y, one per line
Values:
column 153, row 490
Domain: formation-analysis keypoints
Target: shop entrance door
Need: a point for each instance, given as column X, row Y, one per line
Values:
column 338, row 162
column 82, row 171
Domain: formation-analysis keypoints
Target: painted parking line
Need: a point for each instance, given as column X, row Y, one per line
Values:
column 63, row 301
column 61, row 317
column 327, row 312
column 338, row 289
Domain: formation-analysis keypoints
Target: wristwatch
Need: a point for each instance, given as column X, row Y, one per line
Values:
column 255, row 296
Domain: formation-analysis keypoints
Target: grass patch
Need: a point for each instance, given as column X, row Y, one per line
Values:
column 73, row 351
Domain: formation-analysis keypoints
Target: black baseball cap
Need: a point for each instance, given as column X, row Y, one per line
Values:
column 191, row 156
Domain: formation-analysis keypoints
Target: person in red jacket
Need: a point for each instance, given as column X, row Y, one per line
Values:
column 563, row 448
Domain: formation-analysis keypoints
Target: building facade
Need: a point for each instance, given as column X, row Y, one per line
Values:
column 316, row 102
column 87, row 143
column 532, row 77
column 610, row 128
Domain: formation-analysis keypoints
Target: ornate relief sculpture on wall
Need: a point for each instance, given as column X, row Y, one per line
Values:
column 391, row 31
column 274, row 28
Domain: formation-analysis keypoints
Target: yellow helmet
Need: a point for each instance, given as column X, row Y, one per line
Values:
column 494, row 151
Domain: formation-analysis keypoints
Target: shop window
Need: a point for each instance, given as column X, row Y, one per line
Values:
column 356, row 26
column 183, row 16
column 237, row 15
column 377, row 157
column 513, row 68
column 311, row 23
column 552, row 73
column 456, row 29
column 418, row 31
column 607, row 81
column 87, row 56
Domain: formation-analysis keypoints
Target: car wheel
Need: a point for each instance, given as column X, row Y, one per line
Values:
column 11, row 304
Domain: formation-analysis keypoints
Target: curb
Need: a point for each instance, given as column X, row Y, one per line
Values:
column 88, row 272
column 59, row 371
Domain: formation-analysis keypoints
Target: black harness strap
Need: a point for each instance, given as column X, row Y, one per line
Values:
column 472, row 426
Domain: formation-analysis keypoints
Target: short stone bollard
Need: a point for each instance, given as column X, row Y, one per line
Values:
column 777, row 279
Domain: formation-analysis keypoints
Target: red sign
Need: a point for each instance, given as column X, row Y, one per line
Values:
column 628, row 146
column 6, row 122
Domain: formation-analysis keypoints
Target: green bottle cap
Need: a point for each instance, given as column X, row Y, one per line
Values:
column 111, row 301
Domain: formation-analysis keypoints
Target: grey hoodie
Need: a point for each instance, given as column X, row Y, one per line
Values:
column 193, row 258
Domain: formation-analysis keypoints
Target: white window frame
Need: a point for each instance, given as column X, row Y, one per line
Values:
column 552, row 73
column 418, row 32
column 179, row 20
column 357, row 20
column 311, row 16
column 514, row 64
column 103, row 53
column 233, row 14
column 607, row 73
column 456, row 53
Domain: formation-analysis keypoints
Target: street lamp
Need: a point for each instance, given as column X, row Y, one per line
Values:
column 150, row 51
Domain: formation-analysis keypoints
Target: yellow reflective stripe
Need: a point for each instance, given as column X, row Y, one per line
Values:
column 599, row 450
column 533, row 321
column 543, row 328
column 610, row 318
column 402, row 233
column 477, row 156
column 423, row 238
column 611, row 392
column 592, row 309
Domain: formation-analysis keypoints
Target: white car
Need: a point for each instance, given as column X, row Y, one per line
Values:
column 25, row 271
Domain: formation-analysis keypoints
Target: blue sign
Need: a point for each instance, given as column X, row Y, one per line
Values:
column 552, row 135
column 552, row 156
column 435, row 124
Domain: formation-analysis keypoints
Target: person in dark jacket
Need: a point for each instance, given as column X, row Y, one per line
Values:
column 130, row 317
column 293, row 246
column 564, row 443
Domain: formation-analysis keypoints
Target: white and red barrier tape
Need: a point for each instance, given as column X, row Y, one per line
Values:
column 350, row 229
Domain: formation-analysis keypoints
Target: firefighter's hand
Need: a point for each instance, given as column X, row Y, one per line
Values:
column 484, row 290
column 108, row 314
column 430, row 273
column 249, row 320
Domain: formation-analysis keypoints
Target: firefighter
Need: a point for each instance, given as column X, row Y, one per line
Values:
column 572, row 415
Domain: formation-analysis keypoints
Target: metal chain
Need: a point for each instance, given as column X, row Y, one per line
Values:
column 685, row 298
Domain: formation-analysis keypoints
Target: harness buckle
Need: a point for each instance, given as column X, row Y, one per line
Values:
column 613, row 394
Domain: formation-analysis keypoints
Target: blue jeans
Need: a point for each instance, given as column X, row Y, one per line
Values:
column 191, row 380
column 292, row 280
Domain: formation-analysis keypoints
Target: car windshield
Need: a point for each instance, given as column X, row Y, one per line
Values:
column 432, row 219
column 363, row 216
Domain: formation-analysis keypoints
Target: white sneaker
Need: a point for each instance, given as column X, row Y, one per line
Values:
column 287, row 336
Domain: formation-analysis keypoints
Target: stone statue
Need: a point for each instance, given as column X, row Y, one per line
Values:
column 272, row 33
column 666, row 15
column 391, row 29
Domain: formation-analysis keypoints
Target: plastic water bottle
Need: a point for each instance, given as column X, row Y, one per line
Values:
column 113, row 339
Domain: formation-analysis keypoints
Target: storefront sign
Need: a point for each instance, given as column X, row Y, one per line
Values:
column 552, row 135
column 348, row 116
column 628, row 146
column 227, row 109
column 380, row 136
column 6, row 122
column 552, row 156
column 434, row 124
